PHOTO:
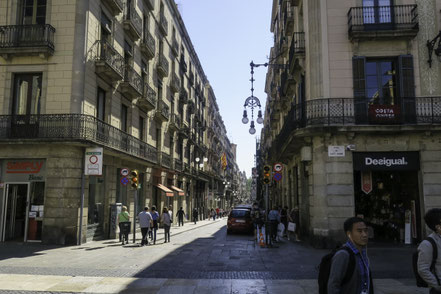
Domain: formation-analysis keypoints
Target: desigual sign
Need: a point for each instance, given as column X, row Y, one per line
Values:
column 24, row 170
column 371, row 161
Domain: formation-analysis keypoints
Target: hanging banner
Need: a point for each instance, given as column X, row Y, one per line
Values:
column 366, row 182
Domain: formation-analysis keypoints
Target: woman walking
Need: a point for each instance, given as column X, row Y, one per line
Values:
column 166, row 222
column 155, row 217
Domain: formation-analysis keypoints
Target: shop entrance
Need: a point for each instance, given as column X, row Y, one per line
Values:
column 15, row 213
column 392, row 208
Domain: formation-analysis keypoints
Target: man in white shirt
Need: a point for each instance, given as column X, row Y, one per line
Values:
column 170, row 212
column 145, row 222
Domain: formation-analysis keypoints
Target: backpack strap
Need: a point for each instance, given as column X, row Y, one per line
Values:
column 351, row 265
column 434, row 257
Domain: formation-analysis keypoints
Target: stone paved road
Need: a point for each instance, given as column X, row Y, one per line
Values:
column 200, row 259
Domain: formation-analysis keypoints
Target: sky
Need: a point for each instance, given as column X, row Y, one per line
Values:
column 227, row 35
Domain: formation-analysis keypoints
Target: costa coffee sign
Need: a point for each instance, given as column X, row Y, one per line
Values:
column 24, row 170
column 371, row 161
column 386, row 114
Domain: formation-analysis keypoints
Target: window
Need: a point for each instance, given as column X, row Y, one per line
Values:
column 27, row 94
column 100, row 104
column 106, row 28
column 381, row 82
column 377, row 11
column 145, row 26
column 124, row 118
column 33, row 12
column 141, row 128
column 159, row 93
column 158, row 139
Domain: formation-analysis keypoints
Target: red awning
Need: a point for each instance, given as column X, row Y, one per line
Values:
column 167, row 191
column 180, row 192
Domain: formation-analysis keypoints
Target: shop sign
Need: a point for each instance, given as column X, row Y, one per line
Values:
column 384, row 113
column 373, row 161
column 93, row 161
column 366, row 182
column 24, row 170
column 336, row 151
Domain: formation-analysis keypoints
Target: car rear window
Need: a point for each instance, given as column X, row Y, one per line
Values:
column 240, row 213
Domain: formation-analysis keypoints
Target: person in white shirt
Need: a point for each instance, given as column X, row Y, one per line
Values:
column 145, row 222
column 170, row 212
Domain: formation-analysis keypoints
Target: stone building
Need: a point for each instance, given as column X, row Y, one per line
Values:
column 353, row 114
column 89, row 91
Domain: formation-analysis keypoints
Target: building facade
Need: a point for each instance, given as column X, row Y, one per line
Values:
column 353, row 114
column 112, row 85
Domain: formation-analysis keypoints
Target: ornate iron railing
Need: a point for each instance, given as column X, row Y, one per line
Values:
column 133, row 16
column 395, row 17
column 357, row 111
column 175, row 83
column 149, row 42
column 27, row 36
column 133, row 78
column 150, row 94
column 104, row 51
column 166, row 160
column 163, row 64
column 75, row 127
column 164, row 109
column 178, row 164
column 176, row 119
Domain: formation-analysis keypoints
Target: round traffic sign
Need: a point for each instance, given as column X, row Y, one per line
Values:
column 124, row 181
column 278, row 167
column 277, row 176
column 125, row 172
column 93, row 159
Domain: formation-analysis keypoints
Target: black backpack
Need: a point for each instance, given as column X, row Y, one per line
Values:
column 419, row 281
column 325, row 268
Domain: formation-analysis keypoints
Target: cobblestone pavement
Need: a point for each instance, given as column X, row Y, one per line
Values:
column 200, row 258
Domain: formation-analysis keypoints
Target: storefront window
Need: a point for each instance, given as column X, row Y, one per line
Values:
column 36, row 211
column 96, row 200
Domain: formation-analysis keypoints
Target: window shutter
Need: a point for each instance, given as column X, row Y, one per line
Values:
column 407, row 88
column 359, row 80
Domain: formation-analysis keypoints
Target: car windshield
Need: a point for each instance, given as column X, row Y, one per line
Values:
column 240, row 213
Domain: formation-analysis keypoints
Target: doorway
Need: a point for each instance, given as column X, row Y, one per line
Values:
column 14, row 216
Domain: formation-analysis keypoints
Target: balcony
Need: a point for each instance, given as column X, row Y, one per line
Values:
column 166, row 160
column 162, row 112
column 183, row 96
column 26, row 40
column 109, row 64
column 148, row 100
column 383, row 22
column 178, row 165
column 175, row 84
column 132, row 23
column 150, row 4
column 296, row 50
column 184, row 131
column 148, row 46
column 162, row 66
column 175, row 46
column 175, row 122
column 132, row 86
column 115, row 6
column 78, row 128
column 163, row 24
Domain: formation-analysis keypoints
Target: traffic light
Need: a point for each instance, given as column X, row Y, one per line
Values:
column 266, row 174
column 134, row 179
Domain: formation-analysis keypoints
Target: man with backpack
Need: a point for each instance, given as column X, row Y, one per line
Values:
column 346, row 270
column 429, row 261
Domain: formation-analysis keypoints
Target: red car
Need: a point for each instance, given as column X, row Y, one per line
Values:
column 239, row 220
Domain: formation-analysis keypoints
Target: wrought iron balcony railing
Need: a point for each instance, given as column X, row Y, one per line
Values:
column 148, row 100
column 402, row 20
column 108, row 61
column 175, row 84
column 178, row 164
column 162, row 66
column 73, row 127
column 356, row 111
column 148, row 45
column 166, row 160
column 133, row 84
column 132, row 22
column 27, row 39
column 116, row 6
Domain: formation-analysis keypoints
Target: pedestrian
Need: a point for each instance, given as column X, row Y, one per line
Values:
column 217, row 211
column 123, row 217
column 195, row 215
column 155, row 217
column 284, row 219
column 145, row 222
column 170, row 212
column 213, row 214
column 166, row 223
column 274, row 219
column 425, row 252
column 180, row 214
column 255, row 216
column 293, row 217
column 360, row 281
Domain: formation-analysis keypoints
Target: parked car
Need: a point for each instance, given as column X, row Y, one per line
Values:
column 239, row 220
column 243, row 206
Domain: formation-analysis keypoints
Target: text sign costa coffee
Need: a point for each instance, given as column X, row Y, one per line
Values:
column 372, row 161
column 384, row 113
column 24, row 170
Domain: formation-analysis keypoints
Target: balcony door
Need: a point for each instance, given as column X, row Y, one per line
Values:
column 32, row 12
column 26, row 105
column 377, row 14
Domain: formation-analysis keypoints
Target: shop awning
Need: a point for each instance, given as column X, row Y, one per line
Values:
column 180, row 192
column 167, row 191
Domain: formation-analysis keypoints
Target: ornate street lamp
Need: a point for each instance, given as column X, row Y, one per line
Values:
column 252, row 102
column 431, row 46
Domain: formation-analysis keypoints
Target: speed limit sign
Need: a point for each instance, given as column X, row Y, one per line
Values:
column 278, row 167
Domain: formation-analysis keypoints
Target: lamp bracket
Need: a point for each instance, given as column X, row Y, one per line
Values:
column 431, row 47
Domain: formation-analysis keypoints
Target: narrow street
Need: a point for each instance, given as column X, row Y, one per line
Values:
column 200, row 258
